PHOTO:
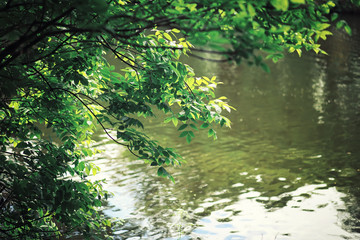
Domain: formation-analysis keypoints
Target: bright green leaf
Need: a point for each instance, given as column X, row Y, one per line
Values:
column 175, row 121
column 281, row 5
column 167, row 36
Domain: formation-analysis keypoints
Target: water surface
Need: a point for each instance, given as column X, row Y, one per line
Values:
column 289, row 168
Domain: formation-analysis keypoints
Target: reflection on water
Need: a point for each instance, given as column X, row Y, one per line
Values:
column 288, row 169
column 297, row 219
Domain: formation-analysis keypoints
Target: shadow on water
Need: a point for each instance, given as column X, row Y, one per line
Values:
column 288, row 169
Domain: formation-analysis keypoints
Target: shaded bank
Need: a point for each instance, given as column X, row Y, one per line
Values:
column 344, row 6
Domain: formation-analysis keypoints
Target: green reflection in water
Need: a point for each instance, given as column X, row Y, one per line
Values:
column 291, row 157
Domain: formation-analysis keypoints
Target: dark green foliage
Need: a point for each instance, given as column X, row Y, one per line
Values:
column 56, row 86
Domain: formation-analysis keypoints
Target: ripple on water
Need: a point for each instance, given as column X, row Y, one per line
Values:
column 291, row 137
column 317, row 215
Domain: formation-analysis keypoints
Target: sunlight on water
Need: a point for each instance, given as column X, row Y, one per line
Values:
column 302, row 215
column 288, row 169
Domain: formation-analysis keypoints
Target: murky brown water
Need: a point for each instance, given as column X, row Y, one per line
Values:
column 288, row 169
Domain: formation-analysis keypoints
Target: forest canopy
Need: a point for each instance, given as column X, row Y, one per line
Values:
column 55, row 77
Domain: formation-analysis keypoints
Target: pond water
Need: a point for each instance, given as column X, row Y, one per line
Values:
column 289, row 168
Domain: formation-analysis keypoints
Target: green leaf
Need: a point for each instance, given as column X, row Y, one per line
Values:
column 87, row 170
column 193, row 126
column 171, row 178
column 334, row 16
column 167, row 36
column 331, row 4
column 265, row 67
column 347, row 29
column 22, row 145
column 222, row 122
column 162, row 172
column 175, row 121
column 97, row 203
column 281, row 5
column 204, row 125
column 324, row 26
column 188, row 138
column 191, row 133
column 83, row 80
column 340, row 24
column 323, row 34
column 251, row 10
column 182, row 127
column 183, row 134
column 191, row 7
column 81, row 166
column 169, row 119
column 94, row 170
column 211, row 132
column 298, row 1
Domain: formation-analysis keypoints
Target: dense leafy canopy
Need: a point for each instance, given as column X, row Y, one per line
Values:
column 56, row 81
